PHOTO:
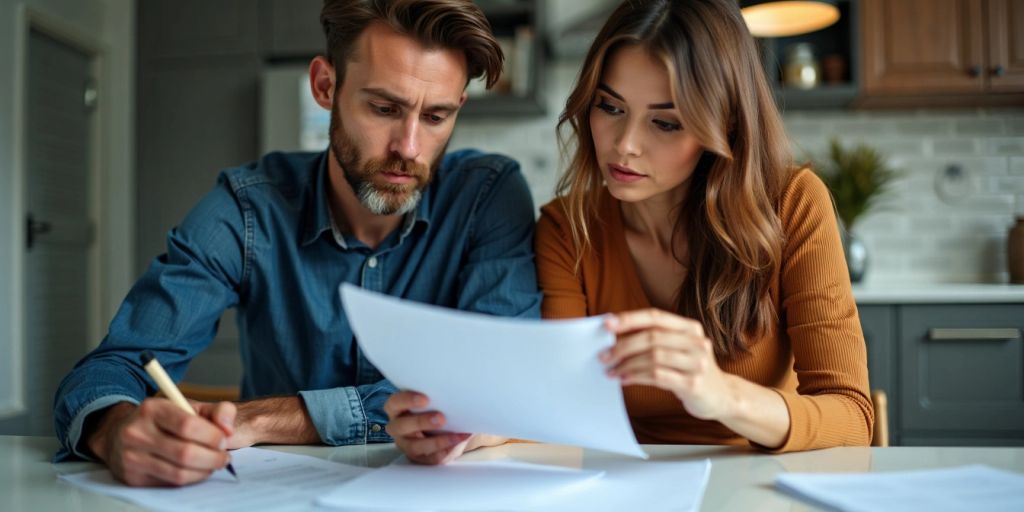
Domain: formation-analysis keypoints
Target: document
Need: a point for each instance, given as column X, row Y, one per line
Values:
column 267, row 480
column 527, row 379
column 632, row 484
column 490, row 485
column 935, row 490
column 605, row 484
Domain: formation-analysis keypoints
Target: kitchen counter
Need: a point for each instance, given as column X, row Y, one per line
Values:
column 936, row 293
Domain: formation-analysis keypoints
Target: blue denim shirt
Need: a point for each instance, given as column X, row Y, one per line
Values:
column 262, row 242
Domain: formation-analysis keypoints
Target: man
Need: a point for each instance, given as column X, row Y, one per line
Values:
column 384, row 207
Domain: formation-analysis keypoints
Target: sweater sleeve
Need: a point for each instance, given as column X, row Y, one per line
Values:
column 558, row 274
column 832, row 405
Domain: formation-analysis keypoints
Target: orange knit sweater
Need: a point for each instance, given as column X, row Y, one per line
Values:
column 815, row 357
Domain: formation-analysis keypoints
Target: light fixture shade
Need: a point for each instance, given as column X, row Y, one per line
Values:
column 788, row 17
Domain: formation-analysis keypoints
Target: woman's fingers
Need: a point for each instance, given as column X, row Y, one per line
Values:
column 648, row 363
column 651, row 317
column 632, row 344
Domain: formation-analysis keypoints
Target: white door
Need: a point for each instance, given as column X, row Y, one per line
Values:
column 59, row 230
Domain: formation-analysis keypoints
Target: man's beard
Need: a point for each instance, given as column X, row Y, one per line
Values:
column 379, row 198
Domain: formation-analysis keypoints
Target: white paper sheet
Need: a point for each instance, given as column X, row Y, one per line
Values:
column 935, row 490
column 631, row 484
column 527, row 379
column 491, row 485
column 268, row 480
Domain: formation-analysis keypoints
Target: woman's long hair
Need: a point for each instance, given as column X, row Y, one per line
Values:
column 733, row 233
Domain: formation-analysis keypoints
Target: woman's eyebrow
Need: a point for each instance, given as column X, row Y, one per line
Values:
column 653, row 106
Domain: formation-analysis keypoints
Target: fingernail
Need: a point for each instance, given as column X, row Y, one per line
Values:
column 223, row 420
column 605, row 355
column 420, row 401
column 223, row 444
column 436, row 419
column 611, row 321
column 610, row 372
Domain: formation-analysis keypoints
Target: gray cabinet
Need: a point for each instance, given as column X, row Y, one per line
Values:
column 961, row 368
column 954, row 373
column 879, row 325
column 197, row 113
column 191, row 28
column 292, row 28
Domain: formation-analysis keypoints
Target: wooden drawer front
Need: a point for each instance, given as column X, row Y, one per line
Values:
column 962, row 367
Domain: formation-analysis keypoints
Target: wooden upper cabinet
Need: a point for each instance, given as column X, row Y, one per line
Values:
column 942, row 52
column 1006, row 45
column 924, row 46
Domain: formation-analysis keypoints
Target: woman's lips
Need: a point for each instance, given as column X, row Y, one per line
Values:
column 624, row 174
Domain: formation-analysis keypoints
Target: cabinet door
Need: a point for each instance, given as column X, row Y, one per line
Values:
column 1006, row 45
column 192, row 28
column 293, row 28
column 962, row 368
column 922, row 46
column 877, row 324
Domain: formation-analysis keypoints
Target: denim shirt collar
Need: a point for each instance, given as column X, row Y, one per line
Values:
column 318, row 210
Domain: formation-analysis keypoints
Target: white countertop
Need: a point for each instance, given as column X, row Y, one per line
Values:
column 741, row 478
column 938, row 293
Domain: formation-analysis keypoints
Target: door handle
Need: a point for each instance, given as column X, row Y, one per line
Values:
column 34, row 228
column 999, row 70
column 981, row 334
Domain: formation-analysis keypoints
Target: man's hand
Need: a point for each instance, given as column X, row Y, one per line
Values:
column 416, row 434
column 158, row 444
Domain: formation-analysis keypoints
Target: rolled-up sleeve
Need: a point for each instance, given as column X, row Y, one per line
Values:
column 351, row 414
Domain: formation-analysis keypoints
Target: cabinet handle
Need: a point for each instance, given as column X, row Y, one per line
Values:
column 999, row 70
column 940, row 334
column 974, row 71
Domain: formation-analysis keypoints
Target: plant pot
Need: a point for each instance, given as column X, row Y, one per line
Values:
column 856, row 254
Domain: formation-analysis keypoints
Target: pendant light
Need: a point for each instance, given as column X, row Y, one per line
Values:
column 775, row 18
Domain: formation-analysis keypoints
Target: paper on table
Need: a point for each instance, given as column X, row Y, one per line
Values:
column 268, row 480
column 491, row 485
column 935, row 490
column 630, row 484
column 527, row 379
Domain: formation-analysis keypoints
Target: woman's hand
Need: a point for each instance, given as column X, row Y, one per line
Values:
column 665, row 350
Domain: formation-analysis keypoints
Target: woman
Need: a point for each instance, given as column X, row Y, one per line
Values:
column 719, row 265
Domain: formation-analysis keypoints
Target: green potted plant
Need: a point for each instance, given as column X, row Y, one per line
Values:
column 858, row 177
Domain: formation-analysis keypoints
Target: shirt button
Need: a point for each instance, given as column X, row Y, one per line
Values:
column 372, row 262
column 375, row 428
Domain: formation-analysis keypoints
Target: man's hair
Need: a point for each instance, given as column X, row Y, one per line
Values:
column 448, row 24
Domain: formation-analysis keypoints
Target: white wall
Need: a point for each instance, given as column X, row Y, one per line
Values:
column 110, row 23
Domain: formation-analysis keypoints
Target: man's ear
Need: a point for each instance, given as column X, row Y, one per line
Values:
column 322, row 81
column 462, row 99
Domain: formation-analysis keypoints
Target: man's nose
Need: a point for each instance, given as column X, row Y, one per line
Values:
column 405, row 141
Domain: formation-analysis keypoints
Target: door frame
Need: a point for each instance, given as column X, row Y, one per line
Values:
column 110, row 253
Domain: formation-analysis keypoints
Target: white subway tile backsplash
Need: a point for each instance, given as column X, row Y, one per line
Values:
column 1010, row 146
column 981, row 126
column 965, row 146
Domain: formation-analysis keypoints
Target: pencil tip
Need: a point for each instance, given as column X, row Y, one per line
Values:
column 231, row 470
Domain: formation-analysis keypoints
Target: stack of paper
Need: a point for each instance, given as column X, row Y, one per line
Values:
column 267, row 480
column 527, row 379
column 606, row 484
column 491, row 485
column 936, row 490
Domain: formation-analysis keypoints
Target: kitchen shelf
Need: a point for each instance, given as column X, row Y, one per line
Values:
column 840, row 39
